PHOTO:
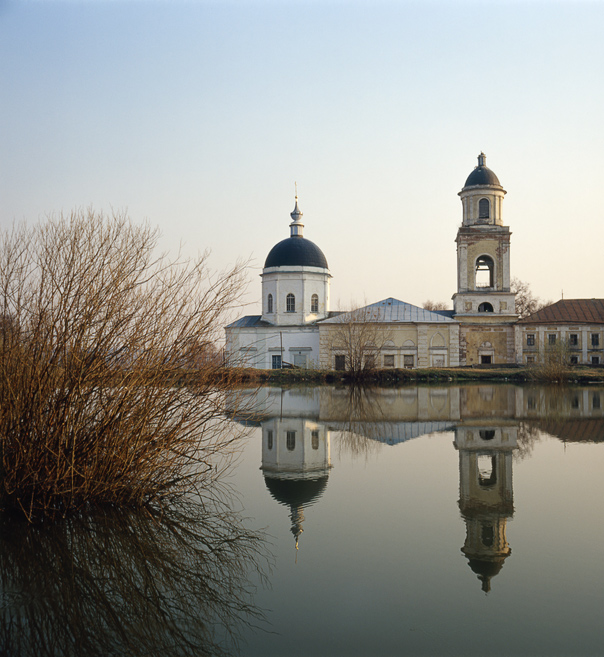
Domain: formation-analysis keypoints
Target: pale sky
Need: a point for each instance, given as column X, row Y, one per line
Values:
column 199, row 116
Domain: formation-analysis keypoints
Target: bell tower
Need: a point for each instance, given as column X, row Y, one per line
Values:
column 483, row 298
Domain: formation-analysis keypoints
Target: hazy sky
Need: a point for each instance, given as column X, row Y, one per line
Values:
column 199, row 116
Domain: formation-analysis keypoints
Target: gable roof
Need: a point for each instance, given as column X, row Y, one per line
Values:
column 391, row 311
column 248, row 321
column 569, row 311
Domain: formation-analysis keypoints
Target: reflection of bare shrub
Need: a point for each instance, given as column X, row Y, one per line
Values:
column 97, row 334
column 363, row 412
column 128, row 583
column 528, row 436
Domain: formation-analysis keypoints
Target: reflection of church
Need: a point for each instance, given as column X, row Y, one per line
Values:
column 486, row 494
column 295, row 464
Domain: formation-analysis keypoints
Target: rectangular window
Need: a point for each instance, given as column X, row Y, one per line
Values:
column 269, row 439
column 530, row 339
column 485, row 360
column 530, row 360
column 595, row 401
column 314, row 439
column 340, row 362
column 595, row 339
column 389, row 360
column 370, row 362
column 551, row 339
column 574, row 360
column 276, row 362
column 574, row 402
column 595, row 360
column 531, row 403
column 573, row 339
column 408, row 361
column 300, row 360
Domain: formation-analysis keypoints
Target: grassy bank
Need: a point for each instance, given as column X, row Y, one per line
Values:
column 394, row 377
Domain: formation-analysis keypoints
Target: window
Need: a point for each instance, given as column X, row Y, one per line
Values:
column 595, row 401
column 290, row 441
column 276, row 363
column 573, row 339
column 574, row 360
column 314, row 441
column 487, row 434
column 269, row 439
column 389, row 360
column 485, row 307
column 314, row 303
column 290, row 303
column 531, row 403
column 485, row 360
column 530, row 339
column 340, row 362
column 370, row 362
column 595, row 360
column 530, row 360
column 408, row 361
column 269, row 304
column 595, row 339
column 574, row 402
column 483, row 208
column 551, row 339
column 485, row 268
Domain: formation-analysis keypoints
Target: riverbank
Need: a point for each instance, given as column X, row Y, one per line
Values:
column 395, row 377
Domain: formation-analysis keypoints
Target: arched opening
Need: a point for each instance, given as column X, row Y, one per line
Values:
column 269, row 304
column 487, row 471
column 485, row 307
column 314, row 303
column 487, row 434
column 290, row 303
column 484, row 208
column 290, row 441
column 485, row 269
column 487, row 535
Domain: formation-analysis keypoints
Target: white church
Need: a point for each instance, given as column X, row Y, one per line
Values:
column 298, row 328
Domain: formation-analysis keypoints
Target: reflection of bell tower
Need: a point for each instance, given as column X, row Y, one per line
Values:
column 486, row 495
column 295, row 463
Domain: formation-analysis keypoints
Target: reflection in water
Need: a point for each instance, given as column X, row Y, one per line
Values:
column 486, row 495
column 493, row 424
column 128, row 583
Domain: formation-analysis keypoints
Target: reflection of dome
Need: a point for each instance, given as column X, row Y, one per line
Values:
column 296, row 492
column 482, row 175
column 486, row 570
column 296, row 252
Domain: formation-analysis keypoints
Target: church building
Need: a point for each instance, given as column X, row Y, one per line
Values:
column 297, row 328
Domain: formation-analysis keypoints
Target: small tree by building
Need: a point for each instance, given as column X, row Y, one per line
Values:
column 526, row 302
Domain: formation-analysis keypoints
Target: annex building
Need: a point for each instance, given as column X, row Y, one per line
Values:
column 298, row 328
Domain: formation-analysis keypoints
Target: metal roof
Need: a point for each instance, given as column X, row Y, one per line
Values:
column 569, row 311
column 390, row 311
column 248, row 321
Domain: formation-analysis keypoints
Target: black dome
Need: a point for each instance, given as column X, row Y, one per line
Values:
column 296, row 251
column 296, row 492
column 482, row 176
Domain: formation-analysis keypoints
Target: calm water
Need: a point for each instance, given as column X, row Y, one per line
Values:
column 429, row 521
column 418, row 521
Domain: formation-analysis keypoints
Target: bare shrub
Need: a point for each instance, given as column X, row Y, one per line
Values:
column 97, row 335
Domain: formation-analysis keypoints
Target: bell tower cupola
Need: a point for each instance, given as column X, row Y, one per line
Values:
column 483, row 250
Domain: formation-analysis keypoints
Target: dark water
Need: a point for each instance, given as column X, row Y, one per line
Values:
column 430, row 521
column 418, row 521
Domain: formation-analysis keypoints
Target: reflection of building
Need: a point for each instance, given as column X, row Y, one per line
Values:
column 486, row 494
column 295, row 464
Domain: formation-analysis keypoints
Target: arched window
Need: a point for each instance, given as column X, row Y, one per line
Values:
column 290, row 441
column 290, row 303
column 269, row 304
column 487, row 434
column 485, row 268
column 314, row 303
column 483, row 208
column 485, row 307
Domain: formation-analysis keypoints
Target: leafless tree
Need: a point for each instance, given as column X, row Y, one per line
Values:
column 526, row 302
column 435, row 305
column 98, row 334
column 357, row 337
